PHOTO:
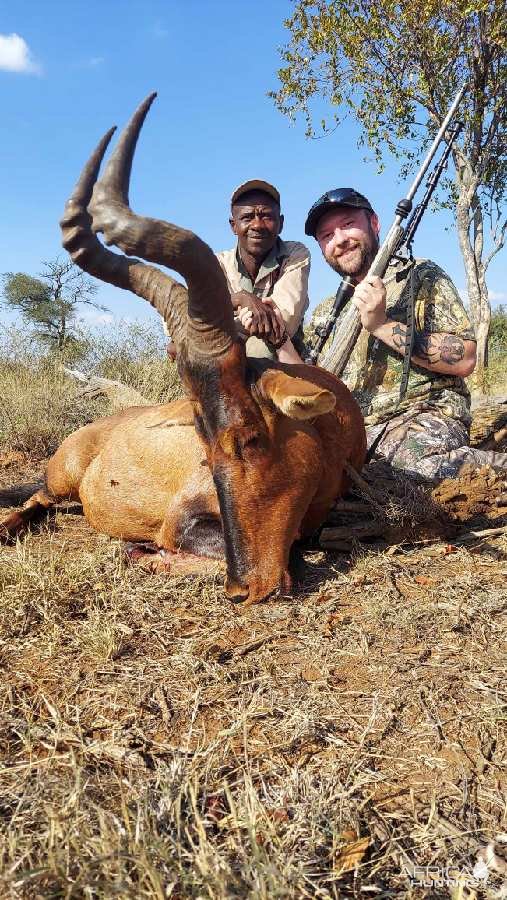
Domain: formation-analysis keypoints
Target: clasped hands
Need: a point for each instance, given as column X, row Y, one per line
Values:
column 260, row 318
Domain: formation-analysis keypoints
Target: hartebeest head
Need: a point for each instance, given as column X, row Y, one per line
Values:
column 263, row 452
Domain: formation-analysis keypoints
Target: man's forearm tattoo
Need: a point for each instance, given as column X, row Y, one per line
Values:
column 432, row 348
column 427, row 348
column 399, row 336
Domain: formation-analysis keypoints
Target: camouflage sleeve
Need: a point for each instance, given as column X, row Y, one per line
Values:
column 439, row 308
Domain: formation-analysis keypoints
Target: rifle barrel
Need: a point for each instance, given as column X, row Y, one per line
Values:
column 431, row 184
column 438, row 137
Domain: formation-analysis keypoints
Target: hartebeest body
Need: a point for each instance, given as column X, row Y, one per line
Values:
column 254, row 458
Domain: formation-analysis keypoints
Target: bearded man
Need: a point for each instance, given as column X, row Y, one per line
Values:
column 428, row 432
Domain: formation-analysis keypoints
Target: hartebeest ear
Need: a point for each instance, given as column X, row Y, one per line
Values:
column 295, row 397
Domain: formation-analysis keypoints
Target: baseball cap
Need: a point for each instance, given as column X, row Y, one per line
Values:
column 256, row 184
column 336, row 197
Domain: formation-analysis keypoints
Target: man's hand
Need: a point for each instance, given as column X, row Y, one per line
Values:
column 245, row 316
column 370, row 299
column 263, row 322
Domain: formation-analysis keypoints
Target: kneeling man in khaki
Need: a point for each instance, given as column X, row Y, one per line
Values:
column 267, row 276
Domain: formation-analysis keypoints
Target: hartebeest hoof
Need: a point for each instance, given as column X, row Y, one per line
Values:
column 19, row 521
column 15, row 525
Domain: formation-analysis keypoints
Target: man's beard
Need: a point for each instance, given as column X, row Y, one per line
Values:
column 355, row 261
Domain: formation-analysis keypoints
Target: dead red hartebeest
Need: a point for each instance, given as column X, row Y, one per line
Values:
column 255, row 457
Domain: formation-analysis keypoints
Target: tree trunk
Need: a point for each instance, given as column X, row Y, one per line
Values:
column 482, row 332
column 62, row 333
column 469, row 219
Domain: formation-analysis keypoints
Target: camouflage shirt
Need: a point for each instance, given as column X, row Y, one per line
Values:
column 373, row 372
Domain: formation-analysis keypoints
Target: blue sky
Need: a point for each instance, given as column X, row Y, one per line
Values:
column 85, row 66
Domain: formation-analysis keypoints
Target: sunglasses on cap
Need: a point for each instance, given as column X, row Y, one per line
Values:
column 336, row 197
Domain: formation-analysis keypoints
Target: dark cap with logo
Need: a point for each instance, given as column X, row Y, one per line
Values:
column 332, row 199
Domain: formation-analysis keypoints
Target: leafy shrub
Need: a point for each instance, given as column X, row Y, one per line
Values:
column 498, row 330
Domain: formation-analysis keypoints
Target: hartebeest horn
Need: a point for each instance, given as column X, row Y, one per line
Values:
column 115, row 179
column 211, row 329
column 167, row 296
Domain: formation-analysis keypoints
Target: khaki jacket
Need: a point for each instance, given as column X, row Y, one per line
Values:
column 283, row 277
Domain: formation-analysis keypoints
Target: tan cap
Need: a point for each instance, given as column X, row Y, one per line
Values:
column 256, row 184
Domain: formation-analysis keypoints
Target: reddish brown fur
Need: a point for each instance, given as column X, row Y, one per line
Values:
column 140, row 474
column 270, row 459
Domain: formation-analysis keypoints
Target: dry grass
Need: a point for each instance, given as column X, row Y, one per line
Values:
column 159, row 742
column 40, row 405
column 156, row 741
column 495, row 376
column 134, row 354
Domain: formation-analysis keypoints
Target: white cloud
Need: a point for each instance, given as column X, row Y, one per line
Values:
column 15, row 55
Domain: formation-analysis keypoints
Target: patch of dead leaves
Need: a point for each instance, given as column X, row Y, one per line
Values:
column 351, row 853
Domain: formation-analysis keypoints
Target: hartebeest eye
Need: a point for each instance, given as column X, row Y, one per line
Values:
column 254, row 442
column 239, row 442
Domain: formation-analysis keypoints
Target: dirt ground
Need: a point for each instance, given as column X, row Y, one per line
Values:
column 157, row 741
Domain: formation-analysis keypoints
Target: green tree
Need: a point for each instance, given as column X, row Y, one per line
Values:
column 396, row 66
column 51, row 301
column 498, row 329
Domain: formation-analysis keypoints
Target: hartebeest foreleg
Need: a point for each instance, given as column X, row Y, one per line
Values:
column 33, row 510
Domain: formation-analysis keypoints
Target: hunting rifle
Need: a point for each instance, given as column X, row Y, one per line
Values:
column 397, row 237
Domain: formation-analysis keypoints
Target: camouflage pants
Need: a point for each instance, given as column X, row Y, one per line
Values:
column 427, row 444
